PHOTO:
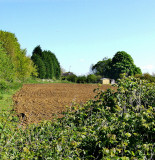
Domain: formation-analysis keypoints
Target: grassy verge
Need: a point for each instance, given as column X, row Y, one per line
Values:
column 6, row 94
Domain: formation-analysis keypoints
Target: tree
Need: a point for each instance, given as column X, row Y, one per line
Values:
column 25, row 67
column 39, row 65
column 7, row 71
column 123, row 63
column 22, row 65
column 48, row 63
column 81, row 79
column 103, row 67
column 56, row 66
column 91, row 78
column 37, row 50
column 120, row 63
column 69, row 76
column 10, row 43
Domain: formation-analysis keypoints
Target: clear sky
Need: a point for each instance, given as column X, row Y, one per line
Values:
column 83, row 32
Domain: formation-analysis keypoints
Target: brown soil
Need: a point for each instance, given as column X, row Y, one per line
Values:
column 36, row 102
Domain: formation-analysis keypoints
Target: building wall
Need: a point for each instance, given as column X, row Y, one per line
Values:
column 105, row 81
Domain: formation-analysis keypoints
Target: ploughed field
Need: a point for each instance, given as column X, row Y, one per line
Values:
column 37, row 102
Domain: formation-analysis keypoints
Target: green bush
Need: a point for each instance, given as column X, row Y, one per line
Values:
column 116, row 125
column 91, row 78
column 71, row 78
column 146, row 76
column 81, row 79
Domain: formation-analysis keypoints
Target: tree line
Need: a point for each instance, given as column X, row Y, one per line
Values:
column 16, row 65
column 113, row 68
column 121, row 63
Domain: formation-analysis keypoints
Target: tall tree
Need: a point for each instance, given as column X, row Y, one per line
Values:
column 18, row 57
column 39, row 65
column 122, row 62
column 10, row 43
column 103, row 67
column 49, row 65
column 25, row 66
column 37, row 50
column 7, row 71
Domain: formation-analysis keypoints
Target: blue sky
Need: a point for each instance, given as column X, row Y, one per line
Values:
column 82, row 32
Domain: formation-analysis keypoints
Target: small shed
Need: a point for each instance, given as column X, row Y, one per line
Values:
column 112, row 81
column 105, row 81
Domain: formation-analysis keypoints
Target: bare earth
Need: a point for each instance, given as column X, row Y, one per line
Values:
column 37, row 102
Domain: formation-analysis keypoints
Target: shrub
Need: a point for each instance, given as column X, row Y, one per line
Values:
column 71, row 78
column 91, row 78
column 146, row 76
column 81, row 79
column 116, row 125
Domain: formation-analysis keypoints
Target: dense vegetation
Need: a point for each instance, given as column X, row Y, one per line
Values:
column 14, row 64
column 146, row 76
column 117, row 125
column 71, row 77
column 119, row 64
column 47, row 64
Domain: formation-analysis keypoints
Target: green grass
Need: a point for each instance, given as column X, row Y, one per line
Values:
column 6, row 103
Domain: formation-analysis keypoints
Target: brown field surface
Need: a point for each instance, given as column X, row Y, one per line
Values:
column 36, row 102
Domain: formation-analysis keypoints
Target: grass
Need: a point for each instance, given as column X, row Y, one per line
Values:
column 6, row 103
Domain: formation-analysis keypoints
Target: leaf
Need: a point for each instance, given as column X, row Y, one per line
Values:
column 25, row 149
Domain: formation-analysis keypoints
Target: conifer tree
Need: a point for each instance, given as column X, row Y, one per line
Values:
column 49, row 65
column 39, row 65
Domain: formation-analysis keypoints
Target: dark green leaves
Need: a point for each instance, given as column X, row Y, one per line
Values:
column 47, row 64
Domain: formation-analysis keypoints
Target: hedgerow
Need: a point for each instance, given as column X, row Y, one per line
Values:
column 117, row 125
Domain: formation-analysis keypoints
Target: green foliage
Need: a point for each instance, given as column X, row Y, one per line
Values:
column 81, row 79
column 10, row 43
column 37, row 50
column 146, row 76
column 123, row 63
column 25, row 67
column 13, row 59
column 116, row 125
column 69, row 77
column 40, row 66
column 6, row 67
column 120, row 63
column 93, row 78
column 103, row 67
column 49, row 68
